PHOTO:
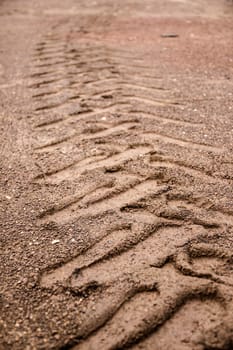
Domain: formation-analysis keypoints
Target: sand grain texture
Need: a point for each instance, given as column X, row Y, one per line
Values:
column 116, row 175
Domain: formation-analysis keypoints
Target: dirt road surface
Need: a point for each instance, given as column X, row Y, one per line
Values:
column 116, row 126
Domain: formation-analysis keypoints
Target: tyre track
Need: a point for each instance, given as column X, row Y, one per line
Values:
column 139, row 266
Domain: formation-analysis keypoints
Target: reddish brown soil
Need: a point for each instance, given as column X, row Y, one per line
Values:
column 116, row 174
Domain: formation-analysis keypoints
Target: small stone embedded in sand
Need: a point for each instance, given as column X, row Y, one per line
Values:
column 169, row 35
column 56, row 241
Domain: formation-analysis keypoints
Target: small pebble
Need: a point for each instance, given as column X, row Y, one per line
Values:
column 169, row 35
column 55, row 241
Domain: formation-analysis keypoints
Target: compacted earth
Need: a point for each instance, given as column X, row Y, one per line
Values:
column 116, row 174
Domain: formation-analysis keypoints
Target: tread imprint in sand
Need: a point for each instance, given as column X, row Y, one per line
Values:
column 110, row 101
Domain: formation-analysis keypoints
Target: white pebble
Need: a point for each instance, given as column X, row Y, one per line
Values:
column 55, row 241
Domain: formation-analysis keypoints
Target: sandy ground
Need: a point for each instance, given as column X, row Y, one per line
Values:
column 116, row 216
